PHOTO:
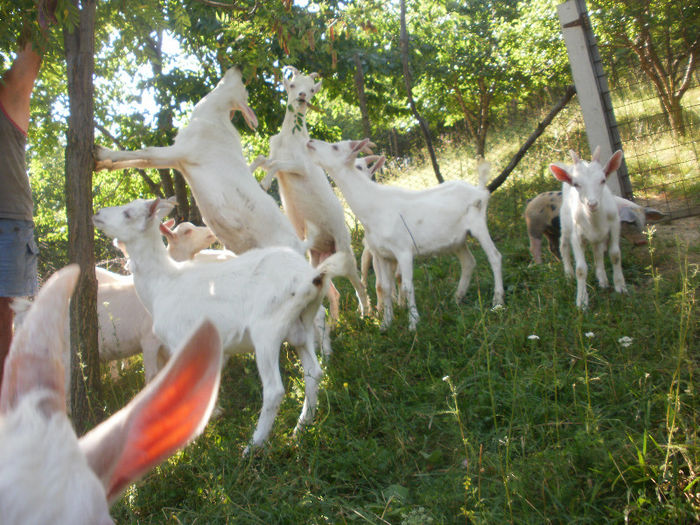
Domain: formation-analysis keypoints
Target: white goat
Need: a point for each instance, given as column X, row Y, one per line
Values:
column 401, row 224
column 306, row 194
column 189, row 242
column 104, row 276
column 589, row 213
column 542, row 219
column 186, row 239
column 209, row 155
column 51, row 476
column 256, row 300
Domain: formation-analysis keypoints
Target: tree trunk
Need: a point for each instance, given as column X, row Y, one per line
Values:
column 85, row 363
column 670, row 80
column 407, row 79
column 466, row 115
column 361, row 96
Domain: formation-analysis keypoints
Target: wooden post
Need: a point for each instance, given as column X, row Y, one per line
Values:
column 592, row 89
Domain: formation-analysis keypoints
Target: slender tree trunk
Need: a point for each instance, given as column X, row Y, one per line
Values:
column 466, row 114
column 361, row 96
column 407, row 79
column 80, row 65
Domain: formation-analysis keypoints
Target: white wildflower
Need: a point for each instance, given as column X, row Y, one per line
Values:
column 533, row 337
column 446, row 378
column 589, row 335
column 498, row 308
column 625, row 341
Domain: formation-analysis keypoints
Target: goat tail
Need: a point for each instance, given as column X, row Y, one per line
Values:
column 483, row 167
column 334, row 265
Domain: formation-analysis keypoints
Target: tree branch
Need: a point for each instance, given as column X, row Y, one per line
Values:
column 495, row 183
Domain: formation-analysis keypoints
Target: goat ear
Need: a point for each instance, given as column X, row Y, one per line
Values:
column 560, row 173
column 166, row 231
column 379, row 164
column 160, row 207
column 596, row 154
column 574, row 156
column 172, row 410
column 169, row 223
column 35, row 358
column 614, row 163
column 363, row 145
column 317, row 85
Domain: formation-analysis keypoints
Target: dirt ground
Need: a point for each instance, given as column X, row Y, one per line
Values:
column 687, row 230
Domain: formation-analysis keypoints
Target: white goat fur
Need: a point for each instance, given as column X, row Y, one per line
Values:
column 187, row 242
column 186, row 239
column 125, row 326
column 306, row 194
column 209, row 155
column 48, row 474
column 370, row 165
column 256, row 300
column 401, row 224
column 589, row 213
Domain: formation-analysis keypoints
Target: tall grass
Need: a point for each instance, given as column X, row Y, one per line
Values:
column 534, row 413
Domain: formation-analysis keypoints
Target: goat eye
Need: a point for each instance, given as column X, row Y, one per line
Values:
column 291, row 85
column 335, row 147
column 577, row 185
column 127, row 214
column 602, row 181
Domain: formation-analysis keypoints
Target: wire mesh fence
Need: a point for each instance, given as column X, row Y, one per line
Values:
column 663, row 162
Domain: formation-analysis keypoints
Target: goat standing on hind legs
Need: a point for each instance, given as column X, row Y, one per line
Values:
column 589, row 213
column 307, row 196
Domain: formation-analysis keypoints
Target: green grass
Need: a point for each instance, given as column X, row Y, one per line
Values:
column 469, row 419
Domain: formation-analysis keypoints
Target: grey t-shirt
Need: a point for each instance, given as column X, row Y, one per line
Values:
column 15, row 193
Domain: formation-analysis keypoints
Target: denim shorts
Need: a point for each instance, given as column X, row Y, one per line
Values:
column 18, row 258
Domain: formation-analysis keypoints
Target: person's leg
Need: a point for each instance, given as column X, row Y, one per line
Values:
column 5, row 331
column 18, row 274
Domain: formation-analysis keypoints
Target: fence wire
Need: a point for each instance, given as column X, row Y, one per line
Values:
column 663, row 164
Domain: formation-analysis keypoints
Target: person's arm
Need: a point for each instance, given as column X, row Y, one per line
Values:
column 17, row 85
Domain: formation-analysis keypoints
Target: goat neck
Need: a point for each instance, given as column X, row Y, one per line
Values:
column 294, row 123
column 356, row 187
column 150, row 263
